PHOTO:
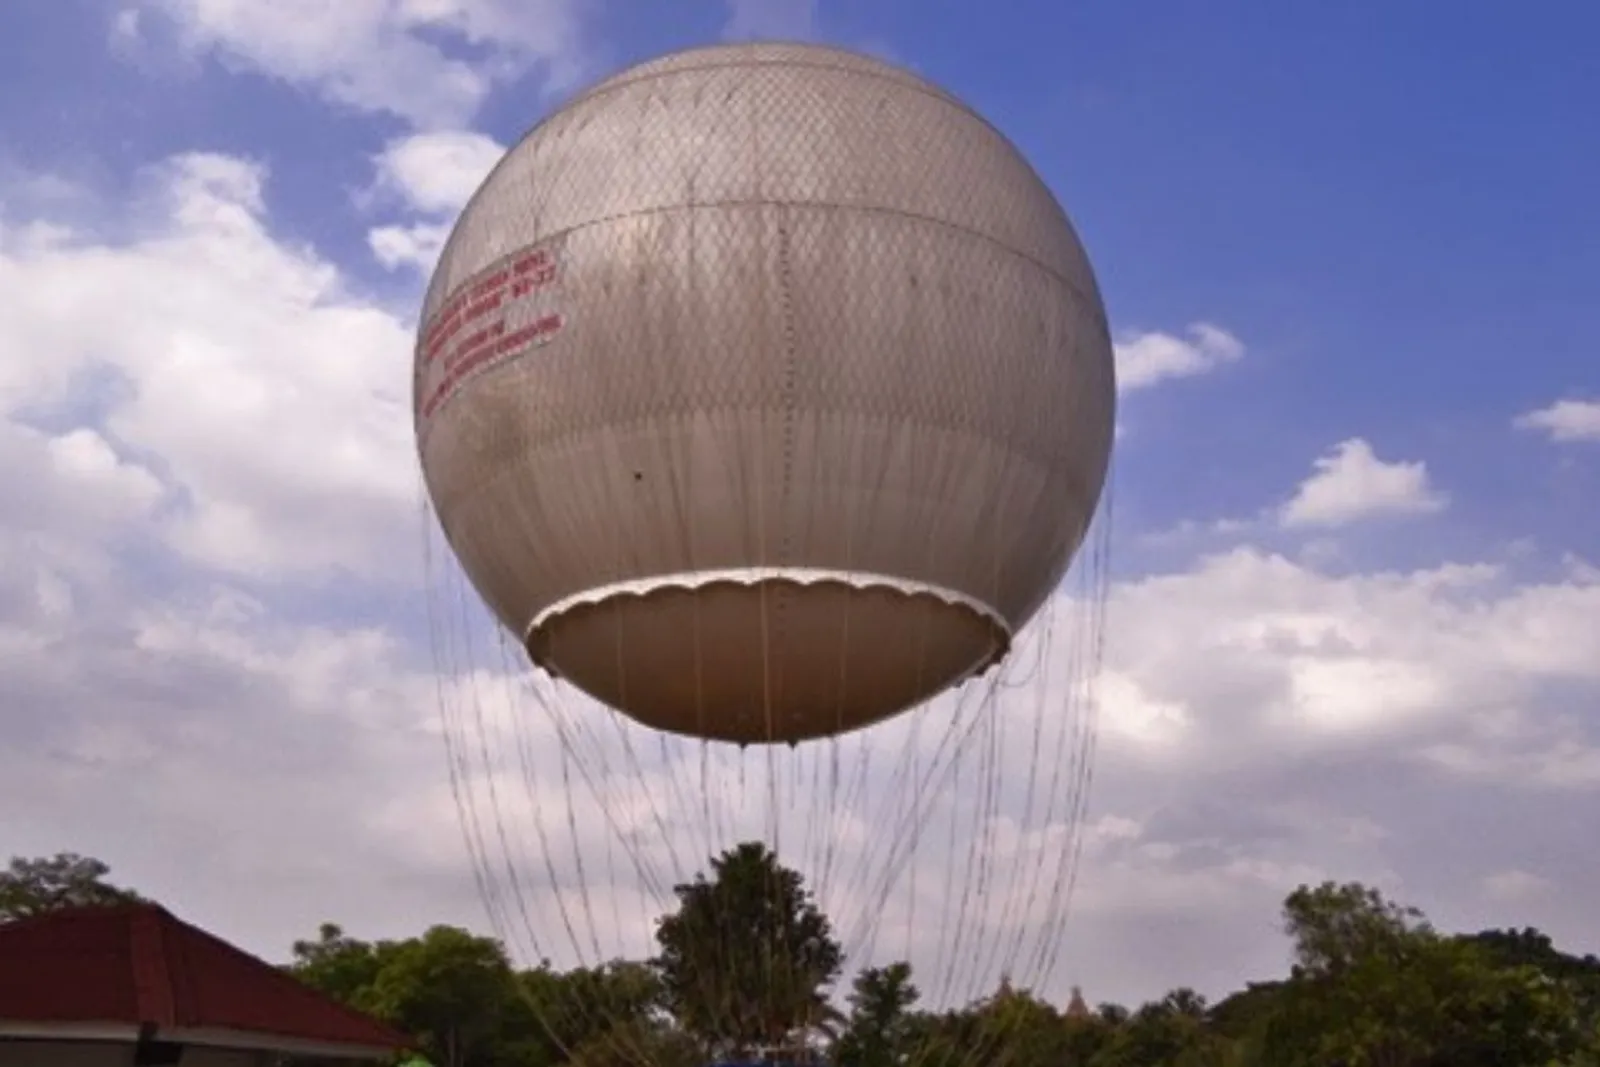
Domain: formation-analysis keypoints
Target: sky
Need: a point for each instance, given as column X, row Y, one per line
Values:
column 1350, row 257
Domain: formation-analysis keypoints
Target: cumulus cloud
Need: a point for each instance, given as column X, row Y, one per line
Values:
column 1565, row 421
column 436, row 173
column 1146, row 359
column 416, row 246
column 430, row 62
column 193, row 408
column 433, row 175
column 1258, row 651
column 203, row 724
column 770, row 19
column 1351, row 483
column 272, row 404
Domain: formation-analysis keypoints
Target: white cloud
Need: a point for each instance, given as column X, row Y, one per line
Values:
column 125, row 29
column 433, row 175
column 86, row 460
column 416, row 246
column 275, row 402
column 387, row 55
column 771, row 19
column 1560, row 758
column 1351, row 483
column 1565, row 420
column 1128, row 714
column 1254, row 649
column 436, row 173
column 1146, row 359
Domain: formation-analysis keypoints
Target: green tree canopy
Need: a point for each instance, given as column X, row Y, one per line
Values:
column 746, row 960
column 1375, row 984
column 66, row 880
column 340, row 966
column 878, row 1029
column 452, row 989
column 574, row 1009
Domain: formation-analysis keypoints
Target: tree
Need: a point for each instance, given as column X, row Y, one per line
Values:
column 1185, row 1002
column 31, row 887
column 1334, row 927
column 635, row 1042
column 948, row 1039
column 342, row 967
column 1020, row 1030
column 575, row 1009
column 452, row 990
column 877, row 1032
column 1374, row 984
column 1084, row 1037
column 1242, row 1013
column 1171, row 1031
column 1530, row 948
column 746, row 959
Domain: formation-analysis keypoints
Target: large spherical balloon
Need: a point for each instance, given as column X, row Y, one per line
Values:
column 764, row 392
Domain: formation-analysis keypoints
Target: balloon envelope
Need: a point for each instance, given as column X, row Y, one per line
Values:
column 764, row 391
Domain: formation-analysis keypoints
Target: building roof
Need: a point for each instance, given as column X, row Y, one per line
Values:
column 116, row 973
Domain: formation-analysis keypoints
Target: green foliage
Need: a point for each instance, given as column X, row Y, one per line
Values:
column 746, row 961
column 575, row 1009
column 340, row 966
column 452, row 989
column 1375, row 985
column 636, row 1042
column 879, row 1024
column 1530, row 948
column 1172, row 1030
column 31, row 887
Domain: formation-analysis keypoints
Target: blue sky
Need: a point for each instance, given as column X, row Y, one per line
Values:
column 1389, row 210
column 1393, row 209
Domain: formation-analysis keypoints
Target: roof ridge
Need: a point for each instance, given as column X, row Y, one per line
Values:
column 141, row 965
column 152, row 974
column 51, row 916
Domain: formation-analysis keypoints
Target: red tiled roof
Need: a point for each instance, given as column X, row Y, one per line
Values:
column 138, row 964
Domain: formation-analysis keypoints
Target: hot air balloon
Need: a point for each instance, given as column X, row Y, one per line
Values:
column 764, row 392
column 764, row 397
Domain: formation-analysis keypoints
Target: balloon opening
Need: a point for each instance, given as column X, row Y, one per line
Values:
column 767, row 657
